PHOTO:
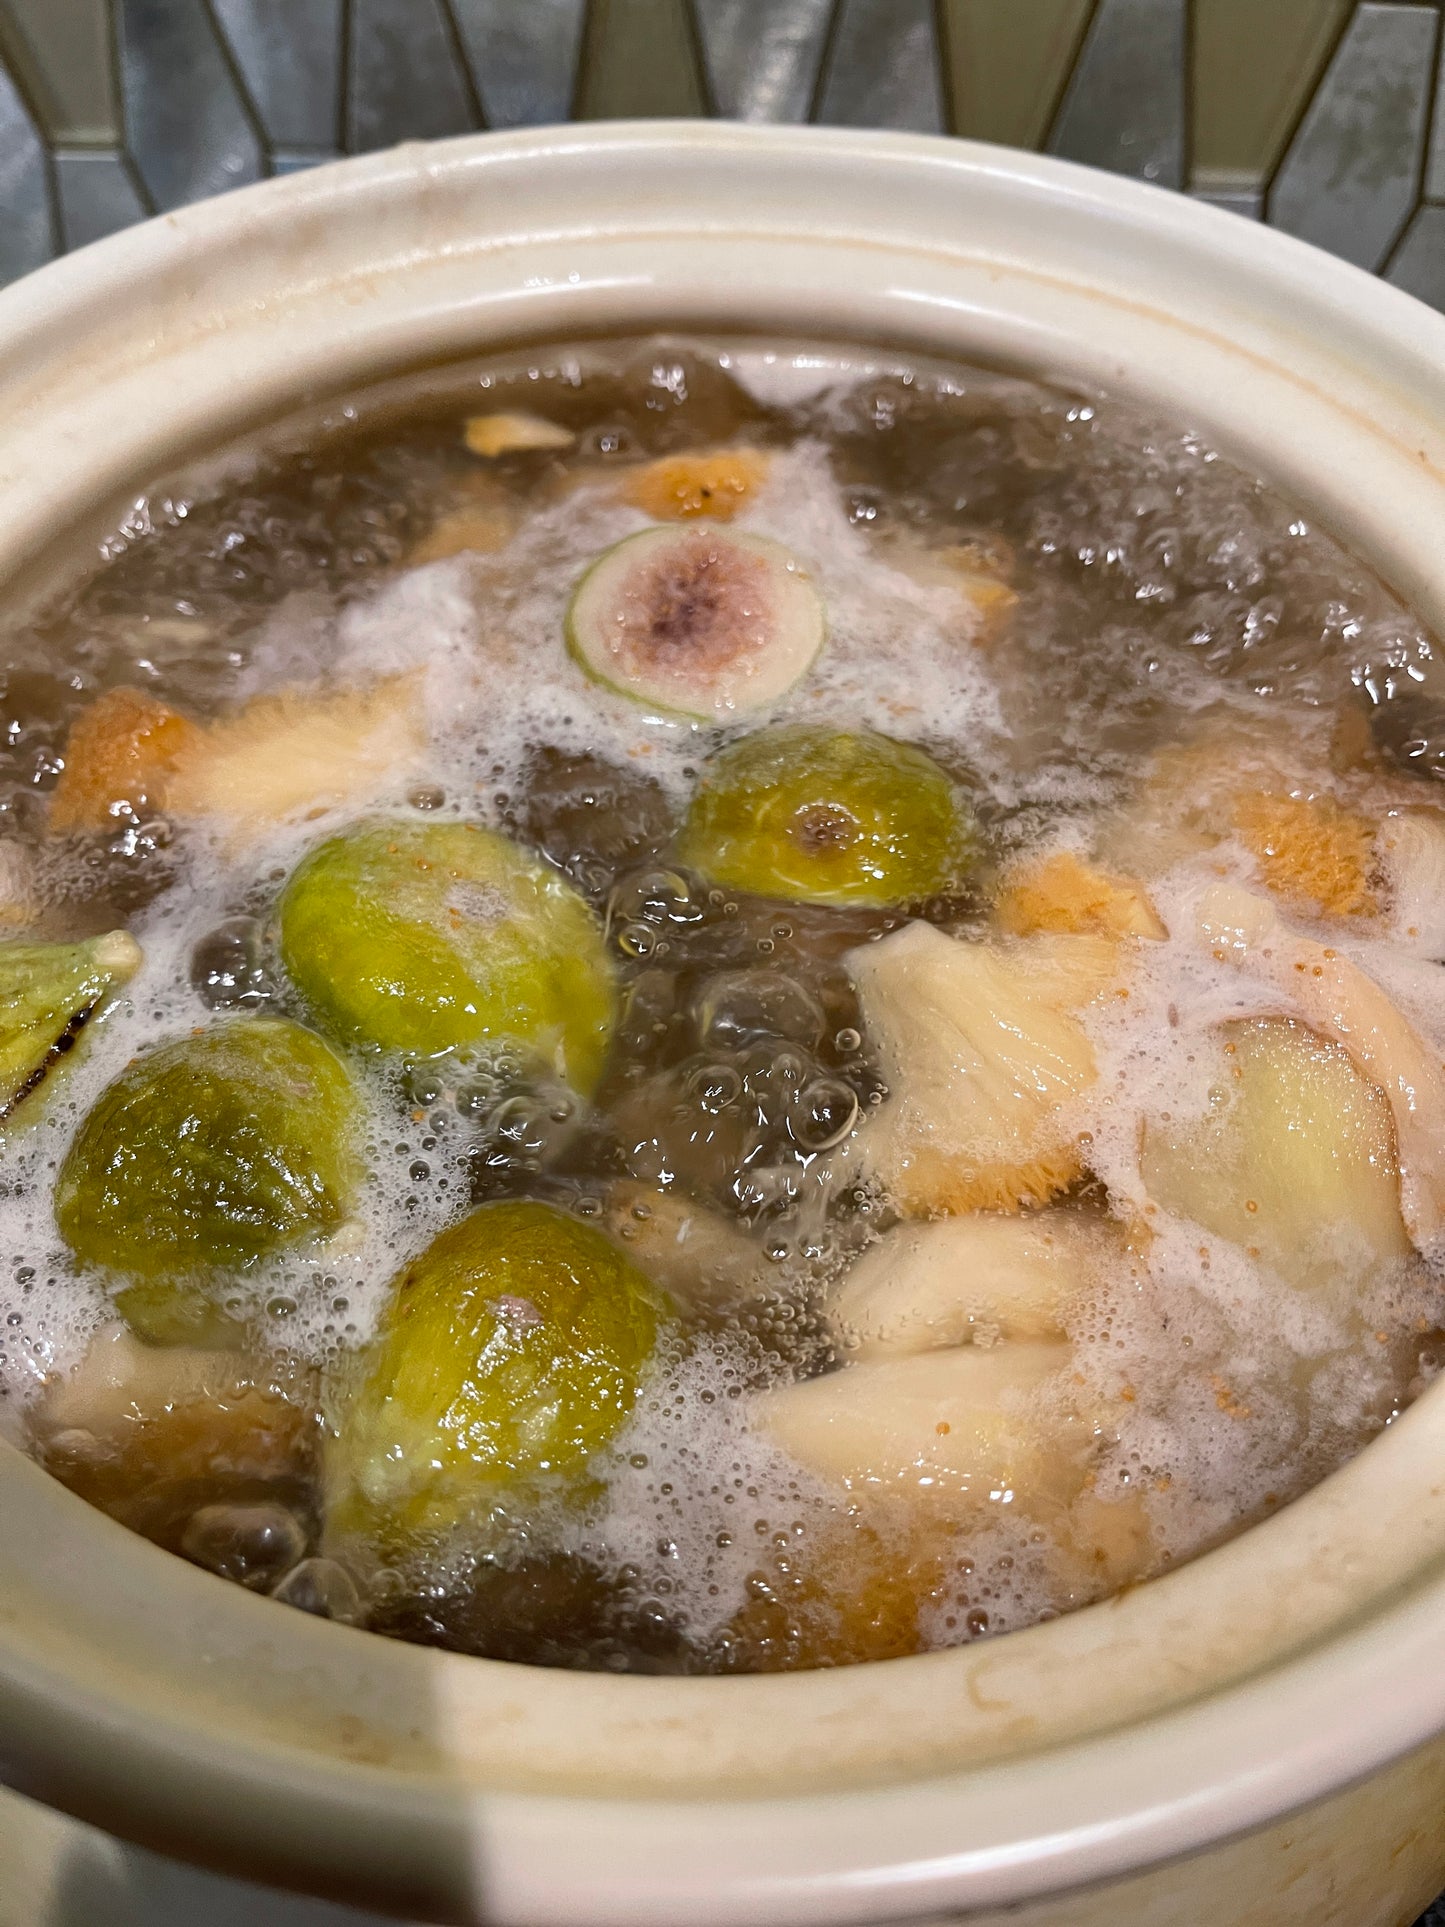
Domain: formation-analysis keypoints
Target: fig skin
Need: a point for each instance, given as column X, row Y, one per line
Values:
column 206, row 1155
column 818, row 815
column 428, row 937
column 48, row 993
column 510, row 1352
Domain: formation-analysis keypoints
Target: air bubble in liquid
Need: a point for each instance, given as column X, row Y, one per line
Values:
column 323, row 1587
column 251, row 1544
column 738, row 1007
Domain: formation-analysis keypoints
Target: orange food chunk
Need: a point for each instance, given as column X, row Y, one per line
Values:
column 514, row 433
column 120, row 756
column 844, row 1593
column 1063, row 893
column 975, row 572
column 479, row 519
column 1310, row 849
column 683, row 488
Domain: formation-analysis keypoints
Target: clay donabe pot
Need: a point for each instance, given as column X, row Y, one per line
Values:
column 1253, row 1739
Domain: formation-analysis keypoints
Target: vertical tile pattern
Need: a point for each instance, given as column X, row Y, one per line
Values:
column 1124, row 109
column 523, row 58
column 27, row 226
column 1435, row 159
column 1350, row 178
column 187, row 126
column 1006, row 66
column 98, row 194
column 289, row 54
column 1253, row 69
column 60, row 53
column 640, row 58
column 407, row 79
column 763, row 56
column 881, row 68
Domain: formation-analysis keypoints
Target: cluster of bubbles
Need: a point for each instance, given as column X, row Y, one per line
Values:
column 739, row 1070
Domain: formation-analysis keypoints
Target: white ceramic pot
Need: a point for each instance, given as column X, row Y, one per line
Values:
column 1254, row 1739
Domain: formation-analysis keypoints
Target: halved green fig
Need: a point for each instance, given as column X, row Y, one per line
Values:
column 206, row 1155
column 48, row 993
column 430, row 937
column 696, row 622
column 822, row 815
column 511, row 1351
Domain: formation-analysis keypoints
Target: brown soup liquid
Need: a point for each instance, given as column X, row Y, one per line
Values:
column 704, row 1005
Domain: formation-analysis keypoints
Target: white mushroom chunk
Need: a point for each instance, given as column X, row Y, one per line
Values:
column 966, row 1422
column 700, row 1258
column 971, row 579
column 981, row 1049
column 130, row 1417
column 299, row 754
column 1339, row 1001
column 1410, row 849
column 979, row 1277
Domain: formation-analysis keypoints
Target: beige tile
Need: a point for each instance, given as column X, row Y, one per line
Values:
column 639, row 57
column 1255, row 65
column 1006, row 66
column 60, row 50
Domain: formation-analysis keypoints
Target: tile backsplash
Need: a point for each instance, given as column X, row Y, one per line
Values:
column 1322, row 117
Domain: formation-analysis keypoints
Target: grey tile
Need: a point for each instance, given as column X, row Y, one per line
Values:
column 1349, row 179
column 1435, row 159
column 27, row 230
column 98, row 193
column 763, row 56
column 1418, row 265
column 523, row 57
column 60, row 52
column 639, row 58
column 882, row 67
column 188, row 128
column 1124, row 107
column 289, row 54
column 407, row 80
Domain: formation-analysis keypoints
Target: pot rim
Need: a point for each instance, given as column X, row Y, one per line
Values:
column 1263, row 1675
